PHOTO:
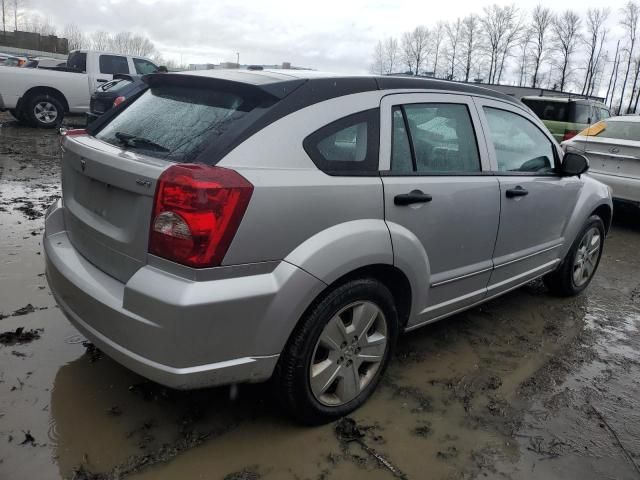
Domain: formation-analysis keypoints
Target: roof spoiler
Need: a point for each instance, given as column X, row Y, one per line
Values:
column 261, row 92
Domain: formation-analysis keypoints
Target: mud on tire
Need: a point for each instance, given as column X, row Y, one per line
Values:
column 292, row 379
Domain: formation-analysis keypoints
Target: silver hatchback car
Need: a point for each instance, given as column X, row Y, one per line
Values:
column 240, row 226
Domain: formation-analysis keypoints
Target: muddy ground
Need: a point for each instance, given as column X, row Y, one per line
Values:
column 527, row 386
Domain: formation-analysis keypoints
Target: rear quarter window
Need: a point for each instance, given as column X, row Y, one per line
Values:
column 348, row 146
column 176, row 122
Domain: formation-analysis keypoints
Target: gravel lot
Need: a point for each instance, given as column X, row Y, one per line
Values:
column 526, row 386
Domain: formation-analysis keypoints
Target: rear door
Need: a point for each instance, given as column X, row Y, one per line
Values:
column 435, row 186
column 536, row 202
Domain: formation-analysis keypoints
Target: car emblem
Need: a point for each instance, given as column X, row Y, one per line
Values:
column 83, row 164
column 614, row 149
column 143, row 183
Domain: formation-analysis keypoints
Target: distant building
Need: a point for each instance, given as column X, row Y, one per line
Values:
column 34, row 41
column 232, row 65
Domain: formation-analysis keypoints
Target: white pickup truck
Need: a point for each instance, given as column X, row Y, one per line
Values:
column 41, row 97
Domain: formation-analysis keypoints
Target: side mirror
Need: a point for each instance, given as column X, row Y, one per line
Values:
column 574, row 164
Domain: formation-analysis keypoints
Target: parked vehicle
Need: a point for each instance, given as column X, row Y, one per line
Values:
column 613, row 149
column 233, row 226
column 44, row 62
column 41, row 97
column 564, row 116
column 113, row 93
column 14, row 61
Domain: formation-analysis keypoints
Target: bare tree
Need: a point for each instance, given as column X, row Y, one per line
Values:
column 5, row 11
column 17, row 7
column 437, row 37
column 500, row 29
column 542, row 19
column 595, row 37
column 415, row 48
column 524, row 42
column 100, row 40
column 510, row 38
column 37, row 24
column 613, row 71
column 566, row 34
column 391, row 52
column 76, row 37
column 454, row 36
column 630, row 15
column 378, row 64
column 634, row 93
column 471, row 38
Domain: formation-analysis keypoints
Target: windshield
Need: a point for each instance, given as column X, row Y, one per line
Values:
column 175, row 122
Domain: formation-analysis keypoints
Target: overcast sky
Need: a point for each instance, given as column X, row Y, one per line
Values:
column 336, row 35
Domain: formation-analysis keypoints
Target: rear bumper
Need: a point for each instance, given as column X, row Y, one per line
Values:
column 177, row 332
column 626, row 189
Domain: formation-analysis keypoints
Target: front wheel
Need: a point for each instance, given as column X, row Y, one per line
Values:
column 578, row 268
column 338, row 353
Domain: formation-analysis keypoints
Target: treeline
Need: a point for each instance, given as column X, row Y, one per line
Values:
column 566, row 50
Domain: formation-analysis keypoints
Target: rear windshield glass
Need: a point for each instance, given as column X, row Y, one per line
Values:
column 175, row 122
column 617, row 130
column 115, row 85
column 77, row 61
column 548, row 110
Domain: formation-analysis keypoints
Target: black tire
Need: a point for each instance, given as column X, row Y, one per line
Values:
column 561, row 282
column 292, row 376
column 52, row 103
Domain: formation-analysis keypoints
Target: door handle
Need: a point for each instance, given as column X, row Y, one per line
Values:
column 101, row 80
column 414, row 196
column 517, row 192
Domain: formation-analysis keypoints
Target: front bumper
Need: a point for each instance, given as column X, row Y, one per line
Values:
column 174, row 331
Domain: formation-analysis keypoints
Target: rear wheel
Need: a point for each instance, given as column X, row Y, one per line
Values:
column 337, row 354
column 578, row 268
column 44, row 111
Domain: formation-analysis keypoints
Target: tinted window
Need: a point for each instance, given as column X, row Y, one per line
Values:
column 176, row 122
column 77, row 61
column 144, row 66
column 346, row 146
column 113, row 64
column 401, row 160
column 443, row 138
column 520, row 146
column 548, row 110
column 617, row 130
column 604, row 113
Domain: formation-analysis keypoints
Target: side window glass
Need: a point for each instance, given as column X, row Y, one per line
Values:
column 112, row 64
column 443, row 138
column 144, row 66
column 401, row 161
column 520, row 146
column 347, row 146
column 604, row 113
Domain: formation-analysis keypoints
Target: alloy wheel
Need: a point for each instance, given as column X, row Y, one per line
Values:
column 348, row 353
column 586, row 258
column 45, row 112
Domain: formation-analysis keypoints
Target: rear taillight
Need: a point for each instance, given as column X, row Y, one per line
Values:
column 569, row 134
column 74, row 132
column 197, row 211
column 118, row 100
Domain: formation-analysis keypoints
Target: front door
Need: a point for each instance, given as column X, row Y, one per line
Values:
column 436, row 189
column 536, row 202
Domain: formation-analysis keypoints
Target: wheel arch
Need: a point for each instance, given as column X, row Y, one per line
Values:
column 57, row 94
